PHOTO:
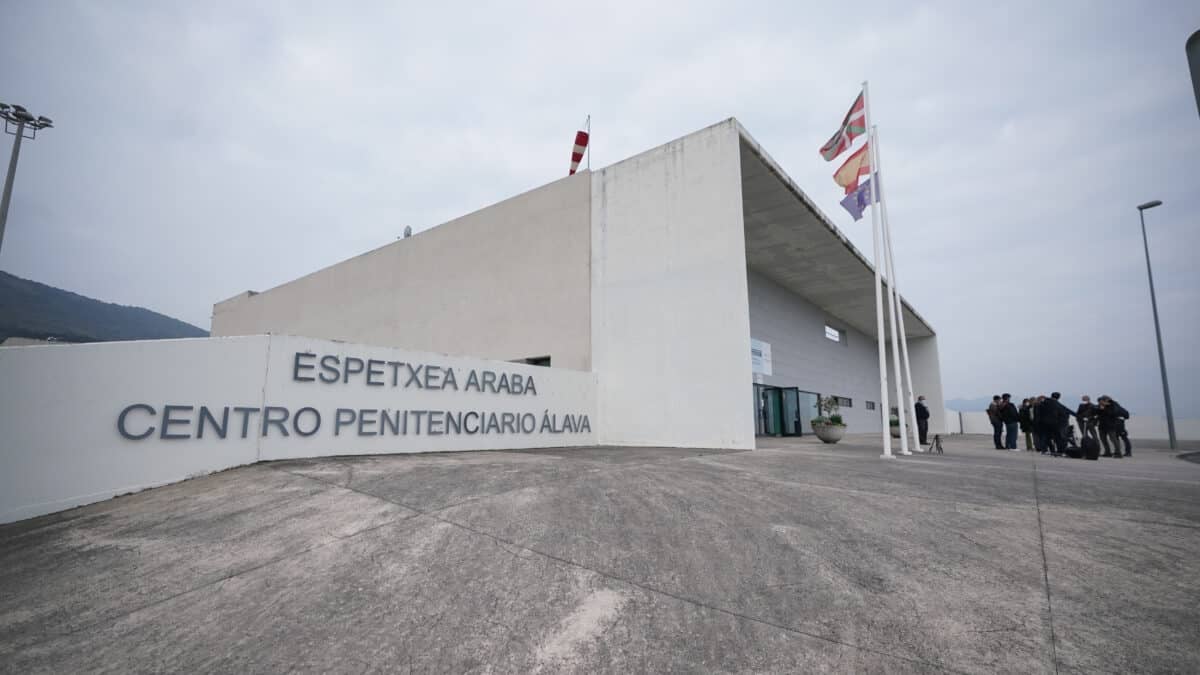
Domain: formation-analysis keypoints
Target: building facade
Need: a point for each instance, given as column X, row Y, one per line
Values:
column 711, row 299
column 689, row 296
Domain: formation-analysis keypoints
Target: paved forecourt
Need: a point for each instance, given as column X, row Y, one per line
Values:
column 795, row 557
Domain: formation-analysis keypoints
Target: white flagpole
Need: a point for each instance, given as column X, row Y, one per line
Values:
column 901, row 413
column 898, row 317
column 908, row 381
column 883, row 383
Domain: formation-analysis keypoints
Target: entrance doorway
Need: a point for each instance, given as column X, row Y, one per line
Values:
column 783, row 411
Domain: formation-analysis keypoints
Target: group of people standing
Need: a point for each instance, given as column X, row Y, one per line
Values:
column 1045, row 421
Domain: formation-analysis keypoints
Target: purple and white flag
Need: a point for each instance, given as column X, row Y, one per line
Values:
column 856, row 202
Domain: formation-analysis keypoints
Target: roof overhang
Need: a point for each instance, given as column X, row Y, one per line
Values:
column 790, row 241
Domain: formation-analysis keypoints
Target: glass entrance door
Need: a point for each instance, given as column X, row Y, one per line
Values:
column 808, row 410
column 791, row 412
column 782, row 411
column 772, row 422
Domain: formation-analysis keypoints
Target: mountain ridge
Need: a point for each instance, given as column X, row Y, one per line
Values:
column 35, row 310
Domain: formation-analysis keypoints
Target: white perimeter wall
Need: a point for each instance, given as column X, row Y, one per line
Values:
column 59, row 409
column 927, row 378
column 1139, row 426
column 670, row 327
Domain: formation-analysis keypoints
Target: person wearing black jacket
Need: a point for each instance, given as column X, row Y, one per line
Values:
column 1122, row 415
column 1051, row 418
column 1064, row 415
column 1112, row 427
column 1038, row 413
column 1010, row 416
column 922, row 419
column 993, row 412
column 1086, row 415
column 1025, row 417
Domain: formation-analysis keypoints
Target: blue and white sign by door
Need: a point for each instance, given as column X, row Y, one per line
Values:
column 760, row 357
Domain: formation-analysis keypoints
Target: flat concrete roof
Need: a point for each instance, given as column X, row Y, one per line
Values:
column 790, row 240
column 796, row 557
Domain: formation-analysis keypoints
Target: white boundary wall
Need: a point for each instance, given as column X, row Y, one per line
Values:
column 62, row 445
column 1139, row 426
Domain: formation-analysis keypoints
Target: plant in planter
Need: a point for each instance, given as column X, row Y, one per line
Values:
column 894, row 423
column 828, row 426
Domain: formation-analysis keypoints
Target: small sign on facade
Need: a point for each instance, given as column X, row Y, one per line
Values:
column 760, row 356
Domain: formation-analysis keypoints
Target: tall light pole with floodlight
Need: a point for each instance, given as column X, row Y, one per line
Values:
column 1162, row 362
column 21, row 124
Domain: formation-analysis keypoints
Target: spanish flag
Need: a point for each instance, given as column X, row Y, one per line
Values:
column 858, row 164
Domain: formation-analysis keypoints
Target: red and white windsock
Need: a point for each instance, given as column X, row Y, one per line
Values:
column 581, row 142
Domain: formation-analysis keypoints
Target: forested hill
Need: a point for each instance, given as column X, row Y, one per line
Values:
column 33, row 310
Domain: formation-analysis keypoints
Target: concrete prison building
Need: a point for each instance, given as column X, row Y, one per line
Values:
column 710, row 297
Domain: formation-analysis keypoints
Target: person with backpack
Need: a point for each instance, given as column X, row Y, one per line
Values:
column 1010, row 417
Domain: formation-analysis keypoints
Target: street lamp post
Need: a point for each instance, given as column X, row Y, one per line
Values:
column 18, row 122
column 1162, row 362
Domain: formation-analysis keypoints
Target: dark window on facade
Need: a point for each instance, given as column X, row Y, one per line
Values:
column 844, row 402
column 870, row 405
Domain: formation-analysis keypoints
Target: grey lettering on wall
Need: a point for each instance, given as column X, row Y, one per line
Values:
column 169, row 419
column 206, row 416
column 374, row 368
column 298, row 366
column 296, row 424
column 378, row 373
column 140, row 421
column 122, row 419
column 275, row 416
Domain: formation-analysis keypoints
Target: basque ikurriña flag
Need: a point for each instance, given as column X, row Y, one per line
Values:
column 856, row 202
column 853, row 126
column 858, row 164
column 581, row 141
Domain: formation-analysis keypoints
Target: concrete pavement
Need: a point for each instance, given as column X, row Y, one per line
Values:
column 796, row 557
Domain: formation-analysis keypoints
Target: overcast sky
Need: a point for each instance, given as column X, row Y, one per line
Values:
column 203, row 149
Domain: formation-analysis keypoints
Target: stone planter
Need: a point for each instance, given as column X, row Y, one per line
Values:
column 830, row 433
column 896, row 431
